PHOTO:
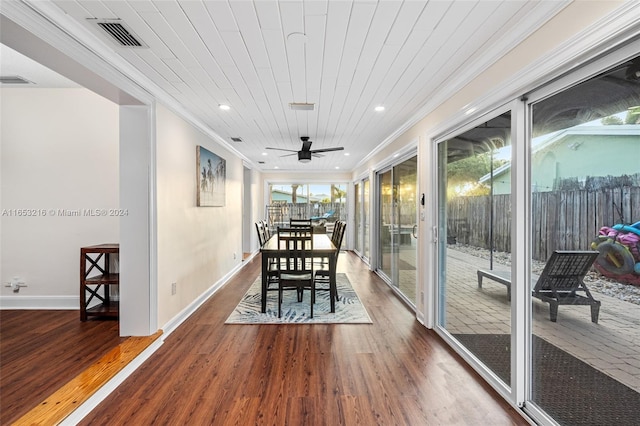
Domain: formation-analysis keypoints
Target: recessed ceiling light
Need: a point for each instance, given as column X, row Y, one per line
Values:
column 337, row 167
column 224, row 107
column 264, row 153
column 347, row 154
column 379, row 108
column 276, row 167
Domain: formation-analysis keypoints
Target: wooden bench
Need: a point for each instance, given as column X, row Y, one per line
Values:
column 502, row 277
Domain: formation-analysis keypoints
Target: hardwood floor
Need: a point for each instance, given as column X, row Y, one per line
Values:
column 392, row 372
column 40, row 351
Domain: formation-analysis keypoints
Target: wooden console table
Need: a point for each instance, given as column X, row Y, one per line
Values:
column 98, row 259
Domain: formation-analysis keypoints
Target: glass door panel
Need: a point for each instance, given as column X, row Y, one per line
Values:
column 585, row 146
column 358, row 219
column 385, row 185
column 365, row 219
column 474, row 217
column 398, row 224
column 405, row 226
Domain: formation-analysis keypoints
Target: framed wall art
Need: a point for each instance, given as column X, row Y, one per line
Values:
column 211, row 178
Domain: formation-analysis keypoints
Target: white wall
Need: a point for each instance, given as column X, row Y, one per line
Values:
column 59, row 151
column 196, row 245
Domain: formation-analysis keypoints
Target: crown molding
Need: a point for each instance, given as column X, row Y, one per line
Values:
column 529, row 24
column 612, row 30
column 48, row 22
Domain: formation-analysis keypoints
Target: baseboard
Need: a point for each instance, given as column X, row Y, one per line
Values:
column 193, row 306
column 40, row 302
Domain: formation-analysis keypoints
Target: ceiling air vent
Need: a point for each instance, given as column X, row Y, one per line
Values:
column 297, row 106
column 235, row 139
column 14, row 79
column 119, row 32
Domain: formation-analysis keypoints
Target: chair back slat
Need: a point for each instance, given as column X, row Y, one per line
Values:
column 338, row 234
column 266, row 230
column 303, row 223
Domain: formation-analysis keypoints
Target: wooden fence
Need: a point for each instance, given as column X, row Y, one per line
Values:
column 561, row 220
column 280, row 213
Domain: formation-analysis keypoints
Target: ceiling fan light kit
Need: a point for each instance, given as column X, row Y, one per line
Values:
column 304, row 156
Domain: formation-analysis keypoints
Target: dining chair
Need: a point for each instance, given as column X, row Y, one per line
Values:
column 260, row 231
column 322, row 274
column 266, row 230
column 295, row 270
column 272, row 267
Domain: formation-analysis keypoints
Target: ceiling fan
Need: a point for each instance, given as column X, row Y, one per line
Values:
column 305, row 154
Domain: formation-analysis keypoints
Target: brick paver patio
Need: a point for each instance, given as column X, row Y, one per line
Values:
column 611, row 346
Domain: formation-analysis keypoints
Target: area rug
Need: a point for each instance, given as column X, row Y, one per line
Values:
column 349, row 309
column 570, row 390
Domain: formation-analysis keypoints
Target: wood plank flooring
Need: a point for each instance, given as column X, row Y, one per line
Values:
column 391, row 372
column 40, row 351
column 74, row 393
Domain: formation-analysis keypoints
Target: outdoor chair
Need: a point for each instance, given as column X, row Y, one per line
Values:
column 560, row 283
column 328, row 215
column 563, row 278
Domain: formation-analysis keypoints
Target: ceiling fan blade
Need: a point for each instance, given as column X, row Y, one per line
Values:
column 339, row 148
column 306, row 145
column 282, row 149
column 289, row 155
column 313, row 154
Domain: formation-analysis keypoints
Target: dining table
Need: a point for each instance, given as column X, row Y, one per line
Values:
column 323, row 247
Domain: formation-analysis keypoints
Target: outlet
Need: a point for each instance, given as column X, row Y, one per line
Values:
column 174, row 288
column 15, row 284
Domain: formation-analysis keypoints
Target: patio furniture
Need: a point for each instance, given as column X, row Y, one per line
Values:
column 560, row 283
column 562, row 279
column 326, row 216
column 502, row 277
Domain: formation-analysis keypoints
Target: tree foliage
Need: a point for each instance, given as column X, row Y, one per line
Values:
column 471, row 169
column 463, row 175
column 633, row 115
column 611, row 120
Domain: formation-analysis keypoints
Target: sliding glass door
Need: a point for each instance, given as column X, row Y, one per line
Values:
column 397, row 226
column 585, row 199
column 361, row 245
column 474, row 217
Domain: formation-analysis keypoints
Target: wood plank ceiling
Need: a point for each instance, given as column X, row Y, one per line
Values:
column 345, row 57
